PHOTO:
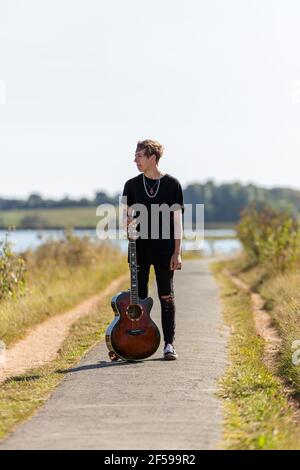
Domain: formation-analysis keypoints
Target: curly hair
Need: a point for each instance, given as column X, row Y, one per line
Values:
column 151, row 147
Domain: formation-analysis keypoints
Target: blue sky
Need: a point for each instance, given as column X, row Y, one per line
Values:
column 217, row 82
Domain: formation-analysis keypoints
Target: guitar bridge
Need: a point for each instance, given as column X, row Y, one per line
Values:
column 135, row 332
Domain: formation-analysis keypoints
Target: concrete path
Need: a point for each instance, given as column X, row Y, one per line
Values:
column 154, row 404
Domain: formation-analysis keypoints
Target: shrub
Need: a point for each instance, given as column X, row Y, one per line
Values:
column 71, row 252
column 12, row 271
column 270, row 237
column 33, row 222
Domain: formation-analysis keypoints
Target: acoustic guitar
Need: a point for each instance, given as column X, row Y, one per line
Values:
column 132, row 335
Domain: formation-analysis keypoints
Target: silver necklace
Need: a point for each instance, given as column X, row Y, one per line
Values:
column 152, row 188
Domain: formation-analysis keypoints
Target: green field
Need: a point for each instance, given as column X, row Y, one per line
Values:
column 77, row 217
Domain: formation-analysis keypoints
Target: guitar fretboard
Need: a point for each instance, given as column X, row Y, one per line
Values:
column 134, row 294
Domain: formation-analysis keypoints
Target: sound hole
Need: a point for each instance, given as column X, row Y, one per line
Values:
column 134, row 312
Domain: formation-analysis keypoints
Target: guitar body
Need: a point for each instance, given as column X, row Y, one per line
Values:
column 132, row 335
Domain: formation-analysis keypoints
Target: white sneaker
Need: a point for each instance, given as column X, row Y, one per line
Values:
column 169, row 352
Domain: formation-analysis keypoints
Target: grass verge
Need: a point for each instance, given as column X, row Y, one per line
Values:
column 257, row 414
column 59, row 276
column 281, row 295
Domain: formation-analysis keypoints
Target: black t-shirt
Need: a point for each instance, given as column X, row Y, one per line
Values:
column 156, row 250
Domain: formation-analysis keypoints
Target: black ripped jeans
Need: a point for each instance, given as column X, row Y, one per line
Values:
column 165, row 288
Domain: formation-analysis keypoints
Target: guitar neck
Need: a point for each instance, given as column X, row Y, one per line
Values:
column 134, row 294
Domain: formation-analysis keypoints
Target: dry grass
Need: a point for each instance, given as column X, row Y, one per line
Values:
column 281, row 295
column 282, row 298
column 256, row 408
column 59, row 275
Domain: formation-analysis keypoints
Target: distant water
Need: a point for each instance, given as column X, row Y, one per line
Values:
column 31, row 239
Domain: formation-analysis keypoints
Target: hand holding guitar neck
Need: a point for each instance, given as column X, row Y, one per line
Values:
column 131, row 228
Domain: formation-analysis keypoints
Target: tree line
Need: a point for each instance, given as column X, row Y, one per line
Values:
column 222, row 202
column 36, row 201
